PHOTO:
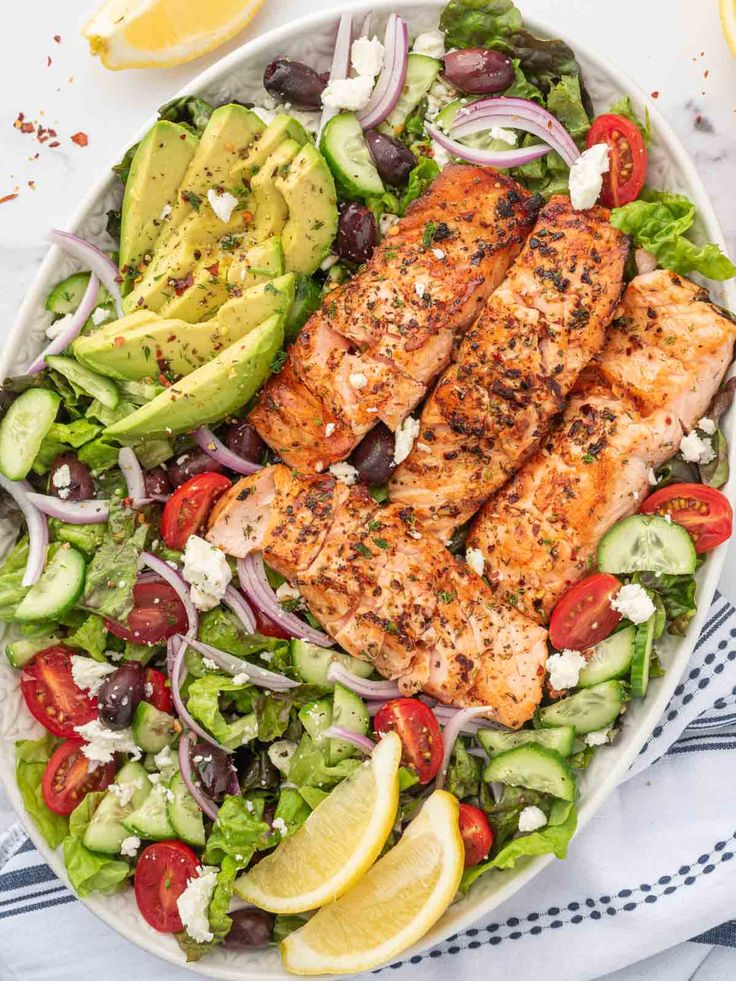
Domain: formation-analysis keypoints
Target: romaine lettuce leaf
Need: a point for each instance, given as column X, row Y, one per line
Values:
column 112, row 572
column 31, row 757
column 239, row 832
column 204, row 702
column 91, row 637
column 463, row 773
column 309, row 768
column 90, row 871
column 11, row 576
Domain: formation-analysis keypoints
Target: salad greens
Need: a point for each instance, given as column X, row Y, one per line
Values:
column 31, row 757
column 89, row 871
column 112, row 572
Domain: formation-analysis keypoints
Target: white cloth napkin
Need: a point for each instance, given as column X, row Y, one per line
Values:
column 656, row 866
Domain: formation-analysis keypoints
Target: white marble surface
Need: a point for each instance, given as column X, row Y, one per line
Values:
column 670, row 47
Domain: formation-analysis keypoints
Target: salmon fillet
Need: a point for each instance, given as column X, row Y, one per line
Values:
column 515, row 366
column 378, row 342
column 385, row 592
column 654, row 379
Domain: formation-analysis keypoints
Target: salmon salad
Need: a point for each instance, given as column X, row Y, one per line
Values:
column 362, row 482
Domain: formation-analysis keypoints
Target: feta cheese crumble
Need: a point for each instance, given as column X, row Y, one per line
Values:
column 386, row 221
column 598, row 738
column 531, row 819
column 209, row 664
column 241, row 678
column 102, row 744
column 222, row 204
column 129, row 846
column 358, row 379
column 429, row 43
column 366, row 56
column 194, row 902
column 287, row 592
column 474, row 558
column 695, row 449
column 586, row 176
column 88, row 674
column 348, row 93
column 207, row 572
column 564, row 669
column 62, row 480
column 123, row 792
column 165, row 212
column 503, row 135
column 652, row 477
column 633, row 602
column 99, row 316
column 163, row 759
column 405, row 435
column 438, row 254
column 344, row 472
column 707, row 426
column 329, row 429
column 278, row 824
column 53, row 330
column 420, row 288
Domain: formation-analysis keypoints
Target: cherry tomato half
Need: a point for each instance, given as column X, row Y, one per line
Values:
column 51, row 694
column 419, row 731
column 70, row 776
column 161, row 876
column 476, row 833
column 157, row 691
column 583, row 616
column 189, row 506
column 627, row 158
column 268, row 627
column 157, row 613
column 703, row 512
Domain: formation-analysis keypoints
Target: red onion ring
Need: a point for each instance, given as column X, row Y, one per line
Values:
column 487, row 158
column 174, row 578
column 366, row 689
column 363, row 743
column 256, row 587
column 100, row 264
column 340, row 64
column 204, row 803
column 72, row 329
column 213, row 447
column 645, row 262
column 133, row 473
column 452, row 731
column 393, row 74
column 258, row 676
column 177, row 677
column 38, row 529
column 90, row 512
column 235, row 602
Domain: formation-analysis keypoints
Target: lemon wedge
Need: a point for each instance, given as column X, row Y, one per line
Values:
column 156, row 33
column 728, row 21
column 338, row 842
column 393, row 905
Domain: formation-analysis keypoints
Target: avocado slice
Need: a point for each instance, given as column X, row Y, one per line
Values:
column 158, row 168
column 309, row 191
column 271, row 213
column 282, row 128
column 201, row 296
column 256, row 265
column 210, row 393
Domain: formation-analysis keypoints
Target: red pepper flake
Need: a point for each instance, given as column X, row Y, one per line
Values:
column 55, row 143
column 164, row 380
column 81, row 139
column 214, row 269
column 32, row 185
column 8, row 197
column 57, row 38
column 706, row 74
column 182, row 285
column 27, row 128
column 49, row 62
column 655, row 94
column 118, row 341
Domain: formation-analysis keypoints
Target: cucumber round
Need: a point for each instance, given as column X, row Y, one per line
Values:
column 184, row 814
column 643, row 646
column 151, row 819
column 316, row 717
column 535, row 767
column 23, row 428
column 344, row 148
column 421, row 71
column 66, row 296
column 106, row 832
column 496, row 741
column 611, row 659
column 312, row 663
column 348, row 712
column 647, row 543
column 587, row 710
column 92, row 383
column 20, row 652
column 58, row 589
column 153, row 729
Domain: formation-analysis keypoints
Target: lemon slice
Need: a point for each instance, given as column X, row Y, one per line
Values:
column 337, row 843
column 393, row 905
column 148, row 33
column 728, row 20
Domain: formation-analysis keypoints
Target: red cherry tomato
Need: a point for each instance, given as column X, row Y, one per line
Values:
column 70, row 776
column 161, row 876
column 157, row 691
column 268, row 627
column 703, row 512
column 189, row 506
column 476, row 833
column 627, row 158
column 158, row 613
column 419, row 731
column 51, row 694
column 583, row 616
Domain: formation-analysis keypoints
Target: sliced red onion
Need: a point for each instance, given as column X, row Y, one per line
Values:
column 177, row 677
column 393, row 74
column 373, row 707
column 89, row 512
column 77, row 320
column 340, row 64
column 204, row 803
column 133, row 473
column 366, row 689
column 255, row 585
column 446, row 713
column 38, row 529
column 487, row 158
column 365, row 27
column 645, row 262
column 450, row 733
column 240, row 608
column 212, row 446
column 100, row 264
column 363, row 743
column 174, row 578
column 260, row 677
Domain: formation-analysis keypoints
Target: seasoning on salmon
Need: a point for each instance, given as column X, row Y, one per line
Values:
column 515, row 366
column 652, row 382
column 379, row 341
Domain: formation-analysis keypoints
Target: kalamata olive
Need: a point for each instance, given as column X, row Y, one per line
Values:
column 294, row 82
column 251, row 928
column 120, row 694
column 373, row 457
column 479, row 71
column 190, row 464
column 213, row 769
column 394, row 162
column 70, row 479
column 157, row 482
column 242, row 439
column 357, row 235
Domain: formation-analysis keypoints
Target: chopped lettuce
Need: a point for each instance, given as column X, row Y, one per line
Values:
column 112, row 572
column 624, row 107
column 90, row 871
column 463, row 773
column 239, row 831
column 396, row 203
column 292, row 809
column 208, row 697
column 678, row 596
column 63, row 438
column 565, row 101
column 189, row 111
column 285, row 924
column 11, row 576
column 220, row 628
column 90, row 636
column 309, row 767
column 31, row 757
column 220, row 921
column 87, row 538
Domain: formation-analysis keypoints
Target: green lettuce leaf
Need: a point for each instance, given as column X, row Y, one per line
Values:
column 90, row 871
column 220, row 921
column 285, row 924
column 99, row 455
column 210, row 695
column 474, row 23
column 396, row 203
column 31, row 756
column 565, row 101
column 11, row 576
column 220, row 628
column 112, row 572
column 91, row 636
column 521, row 87
column 189, row 111
column 624, row 107
column 309, row 768
column 87, row 538
column 678, row 596
column 62, row 438
column 239, row 832
column 463, row 773
column 292, row 809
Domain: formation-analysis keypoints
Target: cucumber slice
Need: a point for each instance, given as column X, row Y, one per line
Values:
column 184, row 814
column 307, row 299
column 312, row 663
column 611, row 659
column 587, row 710
column 20, row 652
column 23, row 428
column 66, row 296
column 58, row 589
column 99, row 387
column 153, row 729
column 344, row 148
column 647, row 543
column 496, row 741
column 643, row 646
column 316, row 717
column 535, row 767
column 349, row 712
column 421, row 71
column 660, row 613
column 106, row 832
column 151, row 820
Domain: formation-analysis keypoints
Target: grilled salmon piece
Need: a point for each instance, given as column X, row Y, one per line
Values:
column 515, row 366
column 653, row 380
column 386, row 592
column 378, row 342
